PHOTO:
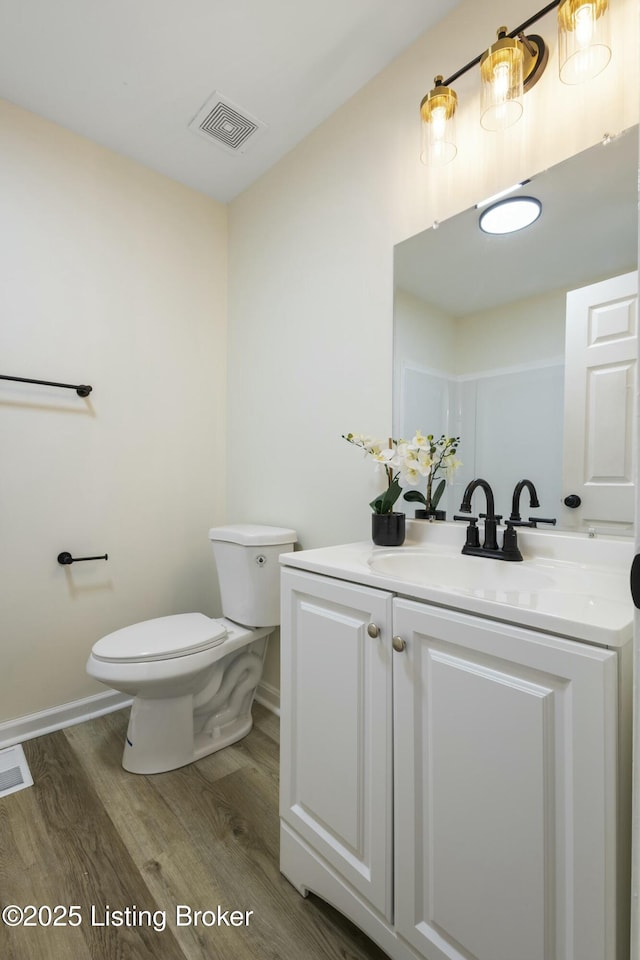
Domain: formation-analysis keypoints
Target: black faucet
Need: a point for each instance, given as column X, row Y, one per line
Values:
column 515, row 519
column 515, row 503
column 490, row 521
column 489, row 548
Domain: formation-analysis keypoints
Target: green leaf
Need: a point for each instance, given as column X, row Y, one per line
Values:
column 414, row 495
column 435, row 498
column 385, row 502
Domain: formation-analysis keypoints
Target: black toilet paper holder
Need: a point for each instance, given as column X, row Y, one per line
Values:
column 65, row 558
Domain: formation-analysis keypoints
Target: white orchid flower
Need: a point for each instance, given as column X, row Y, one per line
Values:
column 385, row 455
column 418, row 458
column 410, row 476
column 451, row 466
column 401, row 454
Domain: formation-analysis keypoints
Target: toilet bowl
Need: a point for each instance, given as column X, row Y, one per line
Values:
column 193, row 678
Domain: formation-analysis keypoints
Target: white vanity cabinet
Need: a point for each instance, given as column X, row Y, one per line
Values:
column 457, row 798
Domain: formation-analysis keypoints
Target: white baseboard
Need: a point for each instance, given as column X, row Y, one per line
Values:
column 68, row 714
column 64, row 715
column 269, row 697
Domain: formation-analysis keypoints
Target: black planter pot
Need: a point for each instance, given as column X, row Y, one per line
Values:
column 388, row 529
column 431, row 515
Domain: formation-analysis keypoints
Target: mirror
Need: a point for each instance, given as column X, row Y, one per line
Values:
column 479, row 328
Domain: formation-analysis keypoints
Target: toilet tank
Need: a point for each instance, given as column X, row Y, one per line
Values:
column 246, row 556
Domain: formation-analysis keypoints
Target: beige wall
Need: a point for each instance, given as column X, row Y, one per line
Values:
column 311, row 260
column 523, row 332
column 114, row 276
column 423, row 333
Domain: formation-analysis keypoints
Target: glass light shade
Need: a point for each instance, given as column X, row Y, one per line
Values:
column 583, row 39
column 510, row 215
column 437, row 119
column 501, row 75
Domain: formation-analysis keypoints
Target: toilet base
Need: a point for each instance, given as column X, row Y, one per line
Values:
column 154, row 753
column 167, row 733
column 159, row 735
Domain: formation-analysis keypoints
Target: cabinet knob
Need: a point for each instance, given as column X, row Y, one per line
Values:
column 373, row 630
column 398, row 644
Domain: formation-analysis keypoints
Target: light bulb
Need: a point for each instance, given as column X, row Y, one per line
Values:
column 501, row 77
column 437, row 112
column 584, row 25
column 501, row 74
column 439, row 120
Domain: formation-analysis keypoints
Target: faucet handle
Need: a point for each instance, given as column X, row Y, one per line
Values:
column 497, row 517
column 534, row 521
column 473, row 534
column 510, row 548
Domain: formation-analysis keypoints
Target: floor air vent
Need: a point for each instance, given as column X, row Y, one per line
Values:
column 14, row 771
column 226, row 124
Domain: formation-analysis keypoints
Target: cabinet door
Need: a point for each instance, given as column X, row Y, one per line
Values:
column 336, row 763
column 505, row 787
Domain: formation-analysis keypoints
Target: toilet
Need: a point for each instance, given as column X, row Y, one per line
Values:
column 193, row 678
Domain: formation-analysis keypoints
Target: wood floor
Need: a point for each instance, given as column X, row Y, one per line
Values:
column 206, row 836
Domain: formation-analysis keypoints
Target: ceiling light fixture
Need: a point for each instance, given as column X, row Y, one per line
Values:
column 508, row 216
column 510, row 67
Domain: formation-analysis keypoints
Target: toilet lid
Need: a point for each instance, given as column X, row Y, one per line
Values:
column 160, row 639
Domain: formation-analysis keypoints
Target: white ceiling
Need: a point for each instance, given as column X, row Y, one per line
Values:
column 132, row 74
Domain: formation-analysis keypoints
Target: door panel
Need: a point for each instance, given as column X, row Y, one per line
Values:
column 600, row 385
column 336, row 776
column 505, row 772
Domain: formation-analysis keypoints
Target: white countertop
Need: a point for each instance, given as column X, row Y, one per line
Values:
column 567, row 583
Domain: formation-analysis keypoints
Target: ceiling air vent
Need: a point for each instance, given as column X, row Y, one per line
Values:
column 226, row 124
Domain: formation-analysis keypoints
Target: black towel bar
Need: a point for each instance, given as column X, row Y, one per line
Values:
column 82, row 389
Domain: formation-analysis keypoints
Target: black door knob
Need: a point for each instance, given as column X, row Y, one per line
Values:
column 573, row 501
column 635, row 580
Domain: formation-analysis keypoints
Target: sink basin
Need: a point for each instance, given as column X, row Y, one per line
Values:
column 568, row 584
column 553, row 594
column 476, row 575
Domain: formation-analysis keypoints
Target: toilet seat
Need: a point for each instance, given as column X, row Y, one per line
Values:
column 163, row 638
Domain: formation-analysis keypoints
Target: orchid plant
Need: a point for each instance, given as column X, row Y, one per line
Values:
column 408, row 462
column 442, row 458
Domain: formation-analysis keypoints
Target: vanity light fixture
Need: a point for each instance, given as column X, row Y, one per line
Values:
column 583, row 39
column 501, row 73
column 511, row 66
column 510, row 215
column 507, row 69
column 437, row 116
